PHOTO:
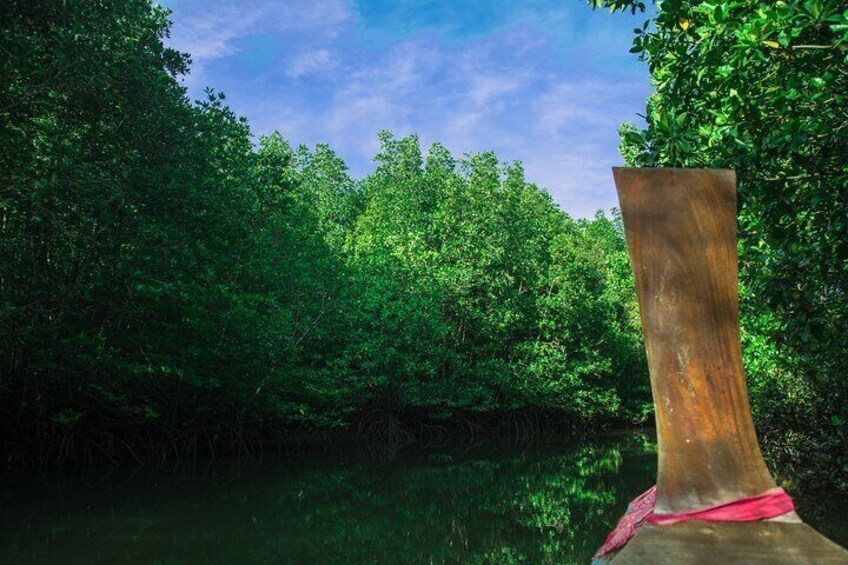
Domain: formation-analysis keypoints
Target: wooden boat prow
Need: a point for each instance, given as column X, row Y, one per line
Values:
column 681, row 234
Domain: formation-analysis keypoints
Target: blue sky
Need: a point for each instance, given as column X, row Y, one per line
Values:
column 545, row 82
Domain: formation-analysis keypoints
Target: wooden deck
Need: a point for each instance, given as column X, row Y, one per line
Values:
column 731, row 543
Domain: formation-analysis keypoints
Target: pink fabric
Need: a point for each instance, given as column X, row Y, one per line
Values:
column 770, row 504
column 637, row 512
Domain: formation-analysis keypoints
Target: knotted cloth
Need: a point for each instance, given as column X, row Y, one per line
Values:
column 770, row 504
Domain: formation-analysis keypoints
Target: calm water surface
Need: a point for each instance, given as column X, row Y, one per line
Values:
column 489, row 504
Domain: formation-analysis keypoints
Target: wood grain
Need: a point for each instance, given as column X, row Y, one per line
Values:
column 680, row 226
column 681, row 233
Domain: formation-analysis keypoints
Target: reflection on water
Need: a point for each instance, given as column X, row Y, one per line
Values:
column 551, row 504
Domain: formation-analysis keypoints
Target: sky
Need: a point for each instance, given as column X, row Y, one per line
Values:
column 544, row 82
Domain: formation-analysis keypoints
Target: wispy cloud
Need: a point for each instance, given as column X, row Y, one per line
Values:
column 546, row 83
column 311, row 62
column 213, row 29
column 208, row 29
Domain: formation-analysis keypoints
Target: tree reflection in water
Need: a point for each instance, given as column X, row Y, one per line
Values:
column 546, row 504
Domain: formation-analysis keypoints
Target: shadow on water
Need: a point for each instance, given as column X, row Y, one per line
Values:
column 546, row 504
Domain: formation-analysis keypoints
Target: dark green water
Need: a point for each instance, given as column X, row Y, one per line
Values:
column 490, row 504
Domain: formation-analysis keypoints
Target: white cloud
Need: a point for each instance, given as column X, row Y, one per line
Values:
column 503, row 92
column 484, row 88
column 404, row 67
column 584, row 103
column 211, row 29
column 311, row 62
column 578, row 175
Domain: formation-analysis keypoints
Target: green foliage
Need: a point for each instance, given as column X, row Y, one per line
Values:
column 167, row 282
column 763, row 88
column 479, row 294
column 159, row 275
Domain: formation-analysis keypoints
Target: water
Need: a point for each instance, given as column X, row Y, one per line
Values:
column 490, row 504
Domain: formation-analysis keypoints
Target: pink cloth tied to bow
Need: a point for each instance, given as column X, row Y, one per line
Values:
column 770, row 504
